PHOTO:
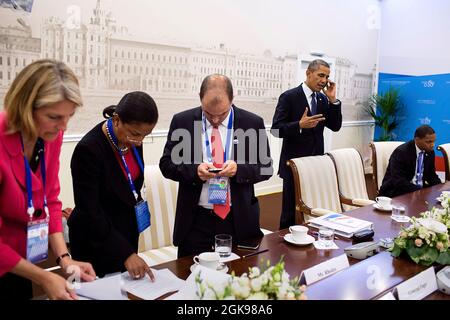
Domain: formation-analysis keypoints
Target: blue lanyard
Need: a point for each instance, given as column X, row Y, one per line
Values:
column 30, row 206
column 136, row 154
column 227, row 146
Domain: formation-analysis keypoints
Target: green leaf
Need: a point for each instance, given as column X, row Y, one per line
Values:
column 444, row 258
column 425, row 255
column 396, row 250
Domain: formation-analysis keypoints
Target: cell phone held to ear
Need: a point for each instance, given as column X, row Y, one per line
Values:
column 248, row 244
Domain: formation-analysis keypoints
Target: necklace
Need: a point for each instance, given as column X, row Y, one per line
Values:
column 123, row 150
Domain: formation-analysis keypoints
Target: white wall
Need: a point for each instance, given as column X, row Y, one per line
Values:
column 414, row 37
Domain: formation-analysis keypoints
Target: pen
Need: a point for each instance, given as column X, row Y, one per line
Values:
column 254, row 253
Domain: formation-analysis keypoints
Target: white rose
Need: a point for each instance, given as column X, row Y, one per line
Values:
column 236, row 289
column 244, row 281
column 256, row 284
column 254, row 272
column 433, row 225
column 245, row 292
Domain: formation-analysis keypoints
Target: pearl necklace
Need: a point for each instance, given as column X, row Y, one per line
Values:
column 123, row 150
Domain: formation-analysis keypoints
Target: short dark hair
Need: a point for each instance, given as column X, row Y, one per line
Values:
column 314, row 65
column 207, row 84
column 423, row 131
column 134, row 107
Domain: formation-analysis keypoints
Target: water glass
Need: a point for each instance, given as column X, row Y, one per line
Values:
column 326, row 237
column 399, row 213
column 223, row 245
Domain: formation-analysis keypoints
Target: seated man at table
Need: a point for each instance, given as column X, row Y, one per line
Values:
column 411, row 166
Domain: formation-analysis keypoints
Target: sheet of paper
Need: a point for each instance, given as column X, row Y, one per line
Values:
column 231, row 257
column 107, row 288
column 165, row 282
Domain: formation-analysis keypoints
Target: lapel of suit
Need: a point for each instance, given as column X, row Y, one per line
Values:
column 15, row 152
column 118, row 180
column 196, row 132
column 303, row 101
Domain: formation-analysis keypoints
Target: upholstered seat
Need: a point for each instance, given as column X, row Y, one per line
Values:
column 350, row 175
column 445, row 149
column 381, row 152
column 155, row 243
column 316, row 188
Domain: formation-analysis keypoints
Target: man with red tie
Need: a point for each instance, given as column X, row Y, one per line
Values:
column 216, row 152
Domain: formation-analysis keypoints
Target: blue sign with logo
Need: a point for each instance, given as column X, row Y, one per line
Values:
column 426, row 100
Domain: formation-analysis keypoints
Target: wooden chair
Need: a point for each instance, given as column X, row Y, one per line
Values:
column 381, row 152
column 155, row 243
column 316, row 187
column 445, row 149
column 350, row 175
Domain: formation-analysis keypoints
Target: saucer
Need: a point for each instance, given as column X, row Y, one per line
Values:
column 223, row 269
column 308, row 240
column 378, row 207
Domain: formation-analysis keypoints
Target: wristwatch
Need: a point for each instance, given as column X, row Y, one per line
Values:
column 58, row 260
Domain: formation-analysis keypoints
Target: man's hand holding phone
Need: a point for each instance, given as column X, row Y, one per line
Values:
column 330, row 91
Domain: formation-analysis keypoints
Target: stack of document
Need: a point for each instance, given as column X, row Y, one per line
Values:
column 115, row 287
column 342, row 225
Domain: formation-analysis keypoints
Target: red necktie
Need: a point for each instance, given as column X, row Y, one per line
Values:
column 217, row 154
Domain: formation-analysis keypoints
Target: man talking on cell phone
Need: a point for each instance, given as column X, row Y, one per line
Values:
column 299, row 119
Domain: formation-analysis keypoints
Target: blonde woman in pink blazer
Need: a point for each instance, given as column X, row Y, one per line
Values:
column 38, row 105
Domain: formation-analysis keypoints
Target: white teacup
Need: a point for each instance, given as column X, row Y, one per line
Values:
column 208, row 259
column 298, row 232
column 383, row 202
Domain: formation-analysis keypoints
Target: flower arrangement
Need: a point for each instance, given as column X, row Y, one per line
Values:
column 426, row 240
column 270, row 283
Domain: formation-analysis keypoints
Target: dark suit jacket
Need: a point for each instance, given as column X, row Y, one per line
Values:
column 103, row 226
column 291, row 106
column 401, row 170
column 245, row 206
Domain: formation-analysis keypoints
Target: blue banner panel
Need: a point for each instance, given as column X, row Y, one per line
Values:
column 426, row 100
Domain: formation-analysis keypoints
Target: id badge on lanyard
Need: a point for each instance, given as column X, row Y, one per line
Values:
column 37, row 231
column 218, row 187
column 142, row 215
column 217, row 191
column 141, row 208
column 37, row 240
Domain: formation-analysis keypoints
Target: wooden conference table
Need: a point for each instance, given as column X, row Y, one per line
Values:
column 350, row 283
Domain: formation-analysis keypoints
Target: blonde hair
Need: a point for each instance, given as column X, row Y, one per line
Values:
column 41, row 83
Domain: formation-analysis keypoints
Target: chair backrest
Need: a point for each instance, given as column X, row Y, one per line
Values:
column 381, row 152
column 350, row 174
column 445, row 149
column 316, row 183
column 162, row 201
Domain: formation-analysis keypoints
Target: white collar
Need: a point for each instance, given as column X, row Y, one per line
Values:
column 308, row 92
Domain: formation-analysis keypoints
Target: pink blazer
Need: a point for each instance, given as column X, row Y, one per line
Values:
column 13, row 195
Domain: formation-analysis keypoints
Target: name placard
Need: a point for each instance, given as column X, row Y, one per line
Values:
column 419, row 286
column 324, row 269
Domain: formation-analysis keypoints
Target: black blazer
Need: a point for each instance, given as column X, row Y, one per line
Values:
column 290, row 108
column 401, row 170
column 102, row 226
column 245, row 206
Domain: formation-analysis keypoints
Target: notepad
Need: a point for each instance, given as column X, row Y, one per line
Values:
column 342, row 224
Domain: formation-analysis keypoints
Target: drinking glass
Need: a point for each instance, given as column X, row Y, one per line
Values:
column 325, row 237
column 223, row 244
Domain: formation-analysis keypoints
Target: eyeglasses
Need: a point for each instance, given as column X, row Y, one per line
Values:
column 136, row 141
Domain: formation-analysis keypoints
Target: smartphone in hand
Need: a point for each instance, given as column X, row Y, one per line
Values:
column 215, row 170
